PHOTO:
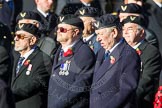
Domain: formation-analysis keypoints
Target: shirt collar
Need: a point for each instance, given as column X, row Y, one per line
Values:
column 159, row 4
column 88, row 38
column 112, row 49
column 26, row 55
column 86, row 4
column 70, row 46
column 43, row 13
column 136, row 46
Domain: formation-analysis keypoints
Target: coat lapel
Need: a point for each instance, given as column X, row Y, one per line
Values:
column 75, row 49
column 24, row 67
column 107, row 65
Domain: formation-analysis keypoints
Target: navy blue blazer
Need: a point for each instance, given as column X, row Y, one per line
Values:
column 72, row 90
column 115, row 80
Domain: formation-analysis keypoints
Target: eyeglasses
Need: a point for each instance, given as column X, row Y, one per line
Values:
column 20, row 36
column 63, row 30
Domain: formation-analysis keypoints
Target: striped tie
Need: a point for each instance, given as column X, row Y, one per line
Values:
column 19, row 64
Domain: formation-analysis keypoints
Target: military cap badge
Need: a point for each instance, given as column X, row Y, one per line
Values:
column 22, row 14
column 123, row 8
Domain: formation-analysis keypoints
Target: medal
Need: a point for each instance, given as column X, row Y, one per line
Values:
column 29, row 69
column 27, row 72
column 64, row 68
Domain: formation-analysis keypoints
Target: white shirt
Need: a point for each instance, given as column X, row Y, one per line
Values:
column 136, row 46
column 70, row 46
column 89, row 37
column 159, row 4
column 44, row 14
column 26, row 55
column 112, row 49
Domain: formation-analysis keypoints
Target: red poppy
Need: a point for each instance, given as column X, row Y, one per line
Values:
column 112, row 60
column 68, row 53
column 26, row 63
column 138, row 51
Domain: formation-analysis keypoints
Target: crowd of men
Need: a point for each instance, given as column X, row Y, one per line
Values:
column 82, row 55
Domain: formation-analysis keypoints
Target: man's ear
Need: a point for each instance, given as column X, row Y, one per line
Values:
column 33, row 40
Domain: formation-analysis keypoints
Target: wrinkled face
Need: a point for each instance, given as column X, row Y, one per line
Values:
column 132, row 33
column 30, row 21
column 106, row 37
column 23, row 41
column 44, row 5
column 123, row 16
column 66, row 33
column 88, row 26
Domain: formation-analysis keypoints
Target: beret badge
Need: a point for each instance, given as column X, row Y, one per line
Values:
column 82, row 12
column 21, row 25
column 61, row 18
column 96, row 24
column 23, row 14
column 123, row 8
column 132, row 18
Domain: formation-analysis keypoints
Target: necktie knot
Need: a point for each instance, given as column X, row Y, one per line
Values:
column 106, row 55
column 61, row 54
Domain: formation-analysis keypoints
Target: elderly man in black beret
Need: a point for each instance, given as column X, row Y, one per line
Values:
column 72, row 68
column 31, row 69
column 126, row 10
column 88, row 15
column 117, row 67
column 134, row 33
column 46, row 43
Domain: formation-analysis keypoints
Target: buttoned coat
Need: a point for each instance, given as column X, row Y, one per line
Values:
column 30, row 84
column 72, row 90
column 115, row 80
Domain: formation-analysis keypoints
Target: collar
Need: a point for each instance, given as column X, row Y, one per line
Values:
column 112, row 49
column 159, row 4
column 86, row 4
column 43, row 13
column 88, row 38
column 26, row 55
column 70, row 46
column 136, row 46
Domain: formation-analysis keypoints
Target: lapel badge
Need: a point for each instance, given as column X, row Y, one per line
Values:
column 64, row 68
column 123, row 8
column 112, row 59
column 23, row 14
column 29, row 69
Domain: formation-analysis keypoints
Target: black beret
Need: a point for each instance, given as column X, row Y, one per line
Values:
column 130, row 8
column 107, row 20
column 71, row 20
column 30, row 28
column 135, row 19
column 28, row 15
column 88, row 12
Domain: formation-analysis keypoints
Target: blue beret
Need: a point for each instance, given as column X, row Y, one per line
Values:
column 71, row 20
column 107, row 20
column 88, row 12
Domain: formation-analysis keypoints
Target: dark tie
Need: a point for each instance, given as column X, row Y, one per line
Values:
column 61, row 54
column 19, row 64
column 106, row 55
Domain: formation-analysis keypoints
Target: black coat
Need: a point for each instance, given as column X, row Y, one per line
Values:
column 6, row 98
column 150, row 72
column 30, row 90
